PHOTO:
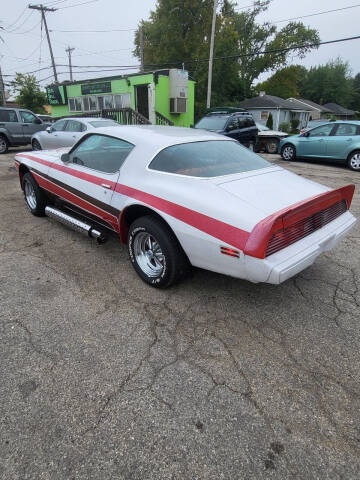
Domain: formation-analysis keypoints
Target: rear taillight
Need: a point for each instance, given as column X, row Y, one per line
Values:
column 289, row 235
column 295, row 222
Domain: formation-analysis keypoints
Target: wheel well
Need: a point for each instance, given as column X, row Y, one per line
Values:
column 288, row 144
column 130, row 214
column 353, row 151
column 22, row 170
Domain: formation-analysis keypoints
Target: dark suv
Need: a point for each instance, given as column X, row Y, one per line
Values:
column 17, row 125
column 235, row 124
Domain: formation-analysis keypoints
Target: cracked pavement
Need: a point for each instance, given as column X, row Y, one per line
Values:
column 104, row 377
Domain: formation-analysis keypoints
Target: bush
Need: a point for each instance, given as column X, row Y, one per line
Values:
column 269, row 121
column 294, row 124
column 285, row 127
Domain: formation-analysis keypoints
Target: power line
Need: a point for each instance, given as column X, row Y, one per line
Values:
column 18, row 18
column 96, row 31
column 78, row 4
column 317, row 13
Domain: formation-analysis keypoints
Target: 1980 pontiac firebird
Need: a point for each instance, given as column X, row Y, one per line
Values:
column 180, row 197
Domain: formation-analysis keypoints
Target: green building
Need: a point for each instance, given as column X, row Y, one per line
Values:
column 162, row 96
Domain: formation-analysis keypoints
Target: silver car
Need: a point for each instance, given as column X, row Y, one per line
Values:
column 67, row 131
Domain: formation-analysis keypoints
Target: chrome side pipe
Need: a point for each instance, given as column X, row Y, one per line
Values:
column 75, row 224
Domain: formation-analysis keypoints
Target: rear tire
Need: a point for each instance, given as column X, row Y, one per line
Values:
column 4, row 144
column 353, row 161
column 34, row 197
column 272, row 146
column 288, row 152
column 155, row 252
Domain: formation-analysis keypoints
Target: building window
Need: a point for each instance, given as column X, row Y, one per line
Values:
column 264, row 116
column 92, row 104
column 108, row 101
column 123, row 100
column 75, row 105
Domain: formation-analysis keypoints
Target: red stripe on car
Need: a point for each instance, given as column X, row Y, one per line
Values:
column 74, row 199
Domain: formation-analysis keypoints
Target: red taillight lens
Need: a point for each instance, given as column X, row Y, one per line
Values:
column 291, row 234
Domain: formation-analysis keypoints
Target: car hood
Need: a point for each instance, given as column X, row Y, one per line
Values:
column 270, row 189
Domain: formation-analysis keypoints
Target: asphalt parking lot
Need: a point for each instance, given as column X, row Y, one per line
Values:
column 103, row 377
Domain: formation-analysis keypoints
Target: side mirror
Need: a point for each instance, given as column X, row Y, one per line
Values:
column 38, row 121
column 49, row 129
column 65, row 157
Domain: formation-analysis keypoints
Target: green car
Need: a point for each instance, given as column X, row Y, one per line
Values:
column 338, row 141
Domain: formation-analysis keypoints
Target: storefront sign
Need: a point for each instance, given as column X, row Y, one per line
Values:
column 95, row 88
column 56, row 95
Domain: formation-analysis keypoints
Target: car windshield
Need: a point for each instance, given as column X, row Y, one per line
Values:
column 215, row 122
column 212, row 158
column 262, row 127
column 103, row 123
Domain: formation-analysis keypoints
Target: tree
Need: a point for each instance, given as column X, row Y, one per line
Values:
column 270, row 122
column 178, row 33
column 29, row 94
column 330, row 83
column 355, row 98
column 284, row 83
column 293, row 40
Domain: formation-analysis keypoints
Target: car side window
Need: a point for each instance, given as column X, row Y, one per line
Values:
column 345, row 129
column 323, row 131
column 59, row 126
column 74, row 126
column 28, row 117
column 232, row 124
column 8, row 116
column 102, row 153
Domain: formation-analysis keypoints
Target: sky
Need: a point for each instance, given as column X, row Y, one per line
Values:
column 22, row 50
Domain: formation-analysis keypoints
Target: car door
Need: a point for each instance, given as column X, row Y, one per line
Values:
column 341, row 140
column 52, row 137
column 74, row 130
column 13, row 127
column 30, row 124
column 86, row 180
column 314, row 142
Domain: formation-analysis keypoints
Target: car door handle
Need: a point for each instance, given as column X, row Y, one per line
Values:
column 106, row 185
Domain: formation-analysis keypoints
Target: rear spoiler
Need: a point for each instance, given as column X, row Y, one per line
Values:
column 261, row 234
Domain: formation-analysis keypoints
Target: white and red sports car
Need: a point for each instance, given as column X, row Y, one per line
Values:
column 181, row 197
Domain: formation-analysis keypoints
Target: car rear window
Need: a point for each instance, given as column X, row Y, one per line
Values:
column 212, row 158
column 103, row 123
column 215, row 122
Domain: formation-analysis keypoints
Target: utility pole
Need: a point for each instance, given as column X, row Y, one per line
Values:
column 211, row 56
column 2, row 90
column 141, row 48
column 43, row 9
column 69, row 50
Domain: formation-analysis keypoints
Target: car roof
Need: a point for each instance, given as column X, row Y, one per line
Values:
column 85, row 119
column 157, row 136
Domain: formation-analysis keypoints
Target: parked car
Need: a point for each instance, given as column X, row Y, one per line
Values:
column 17, row 125
column 46, row 118
column 268, row 140
column 180, row 197
column 67, row 131
column 337, row 141
column 238, row 125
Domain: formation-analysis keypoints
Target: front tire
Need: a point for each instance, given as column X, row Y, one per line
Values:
column 4, row 144
column 155, row 252
column 34, row 196
column 288, row 152
column 354, row 161
column 36, row 145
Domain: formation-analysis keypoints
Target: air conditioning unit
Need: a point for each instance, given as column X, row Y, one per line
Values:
column 178, row 90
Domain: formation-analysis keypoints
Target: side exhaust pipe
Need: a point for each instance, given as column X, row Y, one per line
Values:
column 75, row 224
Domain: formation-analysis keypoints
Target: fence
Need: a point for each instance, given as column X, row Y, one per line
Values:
column 124, row 116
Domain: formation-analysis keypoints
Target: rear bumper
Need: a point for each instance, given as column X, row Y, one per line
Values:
column 288, row 262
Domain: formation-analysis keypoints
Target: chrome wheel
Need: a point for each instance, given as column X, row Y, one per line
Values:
column 288, row 153
column 148, row 254
column 3, row 145
column 354, row 162
column 30, row 195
